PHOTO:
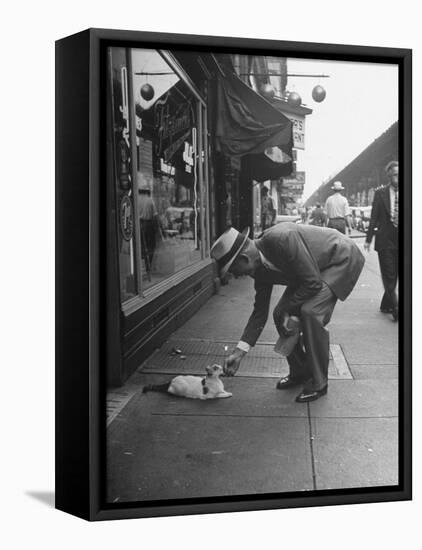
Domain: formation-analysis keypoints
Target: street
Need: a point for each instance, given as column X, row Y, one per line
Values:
column 260, row 440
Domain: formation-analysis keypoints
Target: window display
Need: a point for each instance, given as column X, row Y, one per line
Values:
column 167, row 178
column 160, row 169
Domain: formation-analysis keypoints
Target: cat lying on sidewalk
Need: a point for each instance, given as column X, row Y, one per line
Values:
column 194, row 387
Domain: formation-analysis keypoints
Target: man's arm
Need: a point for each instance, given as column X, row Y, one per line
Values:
column 374, row 220
column 347, row 215
column 253, row 328
column 259, row 315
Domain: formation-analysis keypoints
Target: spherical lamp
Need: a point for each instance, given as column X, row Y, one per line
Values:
column 267, row 91
column 294, row 99
column 147, row 92
column 318, row 94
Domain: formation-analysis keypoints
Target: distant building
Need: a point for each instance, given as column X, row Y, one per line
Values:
column 365, row 173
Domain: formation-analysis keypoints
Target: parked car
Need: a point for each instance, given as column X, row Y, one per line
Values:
column 365, row 217
column 355, row 217
column 288, row 218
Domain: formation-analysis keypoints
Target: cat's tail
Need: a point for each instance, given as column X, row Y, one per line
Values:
column 156, row 387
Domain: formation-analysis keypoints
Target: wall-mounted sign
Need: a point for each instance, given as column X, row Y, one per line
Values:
column 126, row 218
column 188, row 157
column 298, row 130
column 292, row 187
column 298, row 179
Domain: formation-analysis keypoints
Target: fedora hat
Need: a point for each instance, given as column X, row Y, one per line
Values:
column 337, row 186
column 227, row 247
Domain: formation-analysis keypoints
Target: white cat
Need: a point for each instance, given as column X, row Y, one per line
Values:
column 194, row 387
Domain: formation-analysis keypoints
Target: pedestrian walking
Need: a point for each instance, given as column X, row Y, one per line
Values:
column 337, row 209
column 318, row 266
column 318, row 216
column 385, row 219
column 149, row 224
column 268, row 212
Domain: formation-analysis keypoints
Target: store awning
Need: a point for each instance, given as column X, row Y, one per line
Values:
column 248, row 126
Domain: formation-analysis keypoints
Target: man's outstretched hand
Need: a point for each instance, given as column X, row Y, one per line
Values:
column 232, row 362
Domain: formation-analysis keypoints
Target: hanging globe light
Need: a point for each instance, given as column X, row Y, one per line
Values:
column 147, row 92
column 318, row 94
column 294, row 99
column 267, row 91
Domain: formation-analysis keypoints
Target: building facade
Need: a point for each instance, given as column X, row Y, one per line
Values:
column 175, row 180
column 158, row 203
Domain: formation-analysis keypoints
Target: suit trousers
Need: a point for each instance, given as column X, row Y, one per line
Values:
column 309, row 359
column 389, row 265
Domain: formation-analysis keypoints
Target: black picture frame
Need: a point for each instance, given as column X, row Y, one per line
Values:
column 81, row 275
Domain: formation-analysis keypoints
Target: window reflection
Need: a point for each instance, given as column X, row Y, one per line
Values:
column 167, row 179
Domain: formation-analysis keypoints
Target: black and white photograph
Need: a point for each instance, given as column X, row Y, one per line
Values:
column 253, row 306
column 209, row 292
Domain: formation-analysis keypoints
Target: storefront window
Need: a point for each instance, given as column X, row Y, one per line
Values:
column 158, row 134
column 170, row 183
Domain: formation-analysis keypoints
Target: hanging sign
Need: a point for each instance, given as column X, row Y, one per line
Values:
column 298, row 130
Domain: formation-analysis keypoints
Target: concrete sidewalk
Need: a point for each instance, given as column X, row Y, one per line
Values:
column 260, row 440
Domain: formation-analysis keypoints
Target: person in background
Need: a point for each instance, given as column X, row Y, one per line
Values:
column 337, row 209
column 268, row 212
column 385, row 218
column 354, row 221
column 309, row 211
column 149, row 224
column 318, row 216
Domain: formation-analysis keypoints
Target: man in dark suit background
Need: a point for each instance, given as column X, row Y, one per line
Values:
column 385, row 218
column 318, row 266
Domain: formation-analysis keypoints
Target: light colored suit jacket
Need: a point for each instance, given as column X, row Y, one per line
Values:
column 306, row 256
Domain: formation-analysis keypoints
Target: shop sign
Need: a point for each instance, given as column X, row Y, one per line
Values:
column 292, row 184
column 295, row 187
column 299, row 178
column 126, row 218
column 170, row 151
column 298, row 130
column 188, row 157
column 173, row 124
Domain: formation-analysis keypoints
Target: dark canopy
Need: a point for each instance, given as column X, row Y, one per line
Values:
column 248, row 125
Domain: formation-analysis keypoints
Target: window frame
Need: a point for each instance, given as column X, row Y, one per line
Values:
column 145, row 296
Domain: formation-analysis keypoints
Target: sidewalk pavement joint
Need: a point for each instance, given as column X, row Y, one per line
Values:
column 311, row 444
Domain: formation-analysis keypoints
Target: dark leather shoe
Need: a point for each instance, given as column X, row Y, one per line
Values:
column 288, row 382
column 395, row 314
column 306, row 396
